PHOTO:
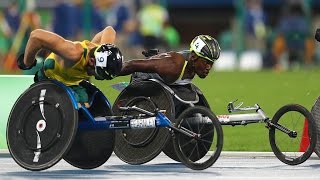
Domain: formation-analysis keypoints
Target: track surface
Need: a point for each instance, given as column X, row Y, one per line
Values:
column 230, row 165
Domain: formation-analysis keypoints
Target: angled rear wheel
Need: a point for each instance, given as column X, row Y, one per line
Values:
column 202, row 147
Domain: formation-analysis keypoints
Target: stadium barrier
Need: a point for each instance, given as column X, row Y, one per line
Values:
column 12, row 86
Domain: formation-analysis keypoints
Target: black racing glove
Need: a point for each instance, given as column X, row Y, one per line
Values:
column 21, row 64
column 317, row 35
column 150, row 52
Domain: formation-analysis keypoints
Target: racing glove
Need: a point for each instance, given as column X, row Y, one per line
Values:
column 150, row 52
column 21, row 64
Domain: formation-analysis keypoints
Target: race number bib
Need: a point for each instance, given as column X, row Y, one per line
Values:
column 198, row 45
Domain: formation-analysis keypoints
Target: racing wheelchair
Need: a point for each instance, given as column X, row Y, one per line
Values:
column 286, row 128
column 46, row 124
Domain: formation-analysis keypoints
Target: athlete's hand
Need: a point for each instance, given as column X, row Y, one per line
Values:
column 21, row 64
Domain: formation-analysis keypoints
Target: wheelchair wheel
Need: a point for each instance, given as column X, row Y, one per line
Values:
column 285, row 146
column 92, row 148
column 139, row 146
column 143, row 139
column 179, row 108
column 315, row 111
column 41, row 126
column 203, row 149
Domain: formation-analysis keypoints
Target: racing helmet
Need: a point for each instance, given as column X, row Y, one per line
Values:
column 206, row 47
column 108, row 61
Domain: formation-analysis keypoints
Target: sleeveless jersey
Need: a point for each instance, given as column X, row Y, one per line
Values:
column 181, row 81
column 67, row 75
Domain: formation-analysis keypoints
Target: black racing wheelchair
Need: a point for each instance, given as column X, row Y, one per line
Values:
column 290, row 141
column 286, row 131
column 46, row 124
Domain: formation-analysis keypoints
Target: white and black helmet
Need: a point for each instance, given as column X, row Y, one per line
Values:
column 206, row 47
column 108, row 61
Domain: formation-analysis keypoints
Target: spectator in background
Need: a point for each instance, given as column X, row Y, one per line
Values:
column 64, row 19
column 9, row 24
column 120, row 14
column 292, row 46
column 5, row 36
column 70, row 18
column 20, row 23
column 95, row 20
column 117, row 14
column 170, row 36
column 12, row 16
column 255, row 25
column 152, row 17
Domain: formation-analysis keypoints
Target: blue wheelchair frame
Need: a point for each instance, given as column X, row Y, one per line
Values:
column 89, row 122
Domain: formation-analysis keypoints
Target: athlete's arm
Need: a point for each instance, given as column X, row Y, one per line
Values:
column 42, row 39
column 167, row 64
column 108, row 35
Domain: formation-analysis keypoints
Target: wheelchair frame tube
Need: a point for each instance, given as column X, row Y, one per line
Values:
column 235, row 119
column 191, row 103
column 118, row 122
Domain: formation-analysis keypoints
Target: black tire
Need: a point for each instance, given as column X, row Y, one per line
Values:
column 139, row 146
column 198, row 153
column 92, row 148
column 50, row 105
column 315, row 111
column 287, row 149
column 179, row 108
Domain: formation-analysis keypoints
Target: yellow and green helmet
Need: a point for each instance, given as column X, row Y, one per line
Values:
column 206, row 47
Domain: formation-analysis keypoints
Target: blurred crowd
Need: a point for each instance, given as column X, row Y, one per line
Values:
column 140, row 24
column 289, row 44
column 146, row 24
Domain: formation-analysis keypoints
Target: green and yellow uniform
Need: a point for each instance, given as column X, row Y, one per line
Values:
column 70, row 76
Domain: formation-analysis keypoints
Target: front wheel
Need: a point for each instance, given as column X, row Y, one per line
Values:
column 288, row 133
column 198, row 143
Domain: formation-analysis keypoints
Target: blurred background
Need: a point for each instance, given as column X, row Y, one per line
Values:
column 253, row 34
column 269, row 55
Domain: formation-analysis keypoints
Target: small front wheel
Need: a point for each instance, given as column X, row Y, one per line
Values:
column 287, row 132
column 198, row 143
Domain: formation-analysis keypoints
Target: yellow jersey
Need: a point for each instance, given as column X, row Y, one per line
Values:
column 68, row 75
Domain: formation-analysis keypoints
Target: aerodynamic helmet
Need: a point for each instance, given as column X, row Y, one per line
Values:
column 108, row 61
column 206, row 47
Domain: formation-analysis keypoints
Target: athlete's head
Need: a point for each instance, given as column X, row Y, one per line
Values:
column 205, row 51
column 108, row 61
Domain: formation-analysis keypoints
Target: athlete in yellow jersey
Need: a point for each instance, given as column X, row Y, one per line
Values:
column 71, row 62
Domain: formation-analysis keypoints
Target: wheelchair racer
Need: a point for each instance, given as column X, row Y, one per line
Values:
column 178, row 67
column 72, row 62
